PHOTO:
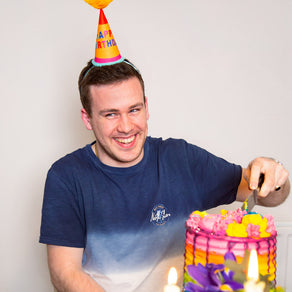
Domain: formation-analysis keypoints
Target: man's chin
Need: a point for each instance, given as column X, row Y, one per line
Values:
column 128, row 159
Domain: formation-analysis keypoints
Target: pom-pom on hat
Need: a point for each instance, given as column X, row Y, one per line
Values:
column 106, row 49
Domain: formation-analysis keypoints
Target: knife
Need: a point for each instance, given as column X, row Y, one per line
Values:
column 252, row 199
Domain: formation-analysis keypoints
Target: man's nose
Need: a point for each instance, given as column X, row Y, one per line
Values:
column 125, row 124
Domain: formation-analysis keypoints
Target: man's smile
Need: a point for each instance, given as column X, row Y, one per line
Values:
column 125, row 141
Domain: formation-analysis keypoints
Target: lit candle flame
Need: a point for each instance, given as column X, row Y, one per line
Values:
column 172, row 276
column 253, row 266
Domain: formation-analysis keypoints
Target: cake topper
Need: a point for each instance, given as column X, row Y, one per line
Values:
column 106, row 49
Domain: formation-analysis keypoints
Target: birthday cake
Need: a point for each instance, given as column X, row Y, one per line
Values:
column 210, row 237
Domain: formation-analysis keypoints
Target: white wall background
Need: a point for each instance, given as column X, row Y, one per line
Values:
column 217, row 73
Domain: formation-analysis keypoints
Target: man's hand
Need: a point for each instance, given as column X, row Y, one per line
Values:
column 275, row 187
column 275, row 175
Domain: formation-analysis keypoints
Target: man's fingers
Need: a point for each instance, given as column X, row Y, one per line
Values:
column 255, row 172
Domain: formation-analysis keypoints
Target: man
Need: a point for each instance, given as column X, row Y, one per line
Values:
column 114, row 211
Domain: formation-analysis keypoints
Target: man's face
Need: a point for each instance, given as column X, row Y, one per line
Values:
column 119, row 122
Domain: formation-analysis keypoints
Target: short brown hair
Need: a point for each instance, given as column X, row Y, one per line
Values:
column 109, row 74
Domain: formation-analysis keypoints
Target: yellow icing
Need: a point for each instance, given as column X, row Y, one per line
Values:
column 254, row 219
column 236, row 230
column 201, row 214
column 223, row 212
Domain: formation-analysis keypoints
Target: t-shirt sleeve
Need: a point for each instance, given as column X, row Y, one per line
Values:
column 62, row 220
column 218, row 179
column 210, row 180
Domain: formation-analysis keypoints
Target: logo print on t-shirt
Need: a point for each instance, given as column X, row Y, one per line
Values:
column 159, row 215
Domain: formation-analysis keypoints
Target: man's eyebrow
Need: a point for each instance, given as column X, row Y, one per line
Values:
column 113, row 110
column 136, row 105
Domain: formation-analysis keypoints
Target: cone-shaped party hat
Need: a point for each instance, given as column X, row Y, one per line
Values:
column 106, row 49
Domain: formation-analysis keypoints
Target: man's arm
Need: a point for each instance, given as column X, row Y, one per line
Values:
column 65, row 264
column 275, row 176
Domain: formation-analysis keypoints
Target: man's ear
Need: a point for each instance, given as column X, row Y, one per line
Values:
column 146, row 107
column 86, row 119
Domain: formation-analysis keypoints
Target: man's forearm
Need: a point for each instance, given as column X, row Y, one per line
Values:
column 74, row 281
column 65, row 265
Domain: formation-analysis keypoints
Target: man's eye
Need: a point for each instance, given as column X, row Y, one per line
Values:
column 134, row 110
column 110, row 115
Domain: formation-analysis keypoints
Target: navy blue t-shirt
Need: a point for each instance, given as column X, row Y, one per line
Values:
column 131, row 221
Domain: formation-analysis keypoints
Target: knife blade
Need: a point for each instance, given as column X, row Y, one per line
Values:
column 252, row 199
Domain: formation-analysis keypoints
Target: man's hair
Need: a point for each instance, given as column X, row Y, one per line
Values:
column 105, row 75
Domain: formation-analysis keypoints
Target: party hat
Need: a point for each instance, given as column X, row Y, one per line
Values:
column 106, row 49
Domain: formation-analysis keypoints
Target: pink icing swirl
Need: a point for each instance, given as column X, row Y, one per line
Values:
column 253, row 230
column 193, row 221
column 270, row 224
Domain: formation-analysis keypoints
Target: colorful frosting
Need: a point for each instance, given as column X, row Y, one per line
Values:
column 210, row 236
